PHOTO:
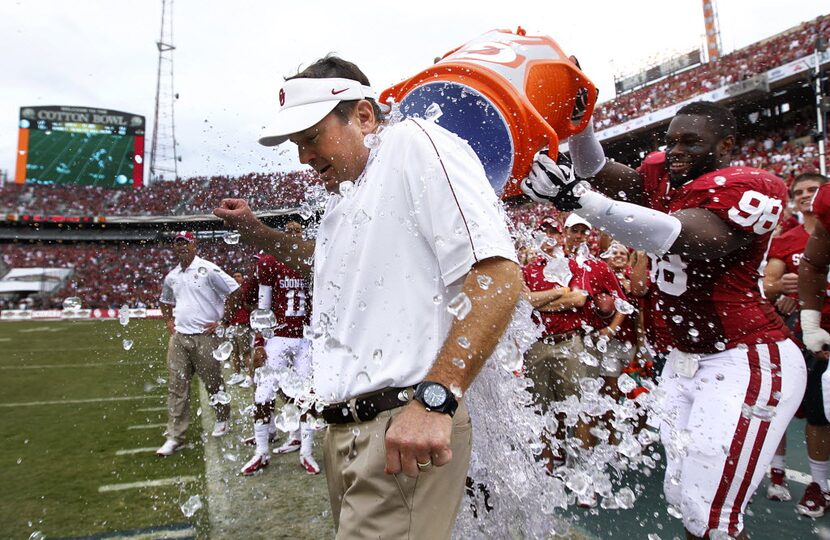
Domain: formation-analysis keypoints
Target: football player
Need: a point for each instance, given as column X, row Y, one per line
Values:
column 287, row 294
column 815, row 323
column 734, row 378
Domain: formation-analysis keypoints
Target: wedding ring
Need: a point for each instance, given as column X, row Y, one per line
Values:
column 424, row 466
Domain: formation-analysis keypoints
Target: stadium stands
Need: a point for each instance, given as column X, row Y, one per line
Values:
column 739, row 65
column 184, row 197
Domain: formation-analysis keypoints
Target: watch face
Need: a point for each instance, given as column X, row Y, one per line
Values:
column 435, row 396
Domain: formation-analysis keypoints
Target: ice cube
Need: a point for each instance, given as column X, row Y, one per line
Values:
column 231, row 238
column 460, row 306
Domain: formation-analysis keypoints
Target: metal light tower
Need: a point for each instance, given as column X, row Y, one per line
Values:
column 164, row 155
column 710, row 21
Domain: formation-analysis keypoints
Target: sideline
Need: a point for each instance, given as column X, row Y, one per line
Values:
column 146, row 426
column 76, row 401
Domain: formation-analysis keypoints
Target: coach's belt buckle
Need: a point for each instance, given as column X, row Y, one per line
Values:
column 686, row 364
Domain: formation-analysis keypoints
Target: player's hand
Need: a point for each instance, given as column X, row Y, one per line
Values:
column 211, row 327
column 789, row 283
column 417, row 436
column 786, row 305
column 552, row 181
column 171, row 326
column 238, row 215
column 813, row 335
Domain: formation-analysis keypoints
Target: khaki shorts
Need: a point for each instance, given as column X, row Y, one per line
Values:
column 556, row 369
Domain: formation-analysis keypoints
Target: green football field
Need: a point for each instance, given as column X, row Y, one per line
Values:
column 62, row 157
column 79, row 420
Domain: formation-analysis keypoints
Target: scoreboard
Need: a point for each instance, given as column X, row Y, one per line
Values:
column 80, row 146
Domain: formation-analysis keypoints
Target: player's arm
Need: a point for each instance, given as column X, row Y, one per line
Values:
column 538, row 299
column 167, row 315
column 573, row 299
column 774, row 282
column 294, row 253
column 614, row 326
column 417, row 435
column 812, row 287
column 639, row 274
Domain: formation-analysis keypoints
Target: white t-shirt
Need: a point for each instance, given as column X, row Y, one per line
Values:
column 392, row 254
column 198, row 295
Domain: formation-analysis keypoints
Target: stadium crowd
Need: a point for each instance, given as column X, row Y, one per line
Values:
column 183, row 197
column 734, row 67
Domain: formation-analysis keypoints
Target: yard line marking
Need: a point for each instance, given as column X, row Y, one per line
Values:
column 152, row 409
column 798, row 476
column 147, row 426
column 76, row 401
column 154, row 534
column 145, row 450
column 5, row 339
column 148, row 483
column 41, row 329
column 55, row 366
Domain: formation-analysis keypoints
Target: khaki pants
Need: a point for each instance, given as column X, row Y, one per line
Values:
column 241, row 349
column 556, row 369
column 187, row 354
column 367, row 503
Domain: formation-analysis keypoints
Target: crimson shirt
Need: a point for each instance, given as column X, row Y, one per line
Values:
column 562, row 321
column 821, row 205
column 715, row 304
column 290, row 296
column 601, row 279
column 248, row 296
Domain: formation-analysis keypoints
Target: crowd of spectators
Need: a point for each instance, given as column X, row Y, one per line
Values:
column 734, row 67
column 182, row 197
column 109, row 275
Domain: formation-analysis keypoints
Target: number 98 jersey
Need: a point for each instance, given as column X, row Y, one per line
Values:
column 716, row 304
column 290, row 296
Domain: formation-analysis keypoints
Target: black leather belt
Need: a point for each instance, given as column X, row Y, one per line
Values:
column 559, row 338
column 365, row 408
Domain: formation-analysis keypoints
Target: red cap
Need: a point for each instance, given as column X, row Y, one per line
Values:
column 185, row 235
column 552, row 222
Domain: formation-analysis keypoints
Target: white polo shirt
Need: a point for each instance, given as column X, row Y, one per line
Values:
column 391, row 255
column 198, row 295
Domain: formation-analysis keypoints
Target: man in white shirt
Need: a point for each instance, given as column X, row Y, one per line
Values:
column 192, row 304
column 415, row 280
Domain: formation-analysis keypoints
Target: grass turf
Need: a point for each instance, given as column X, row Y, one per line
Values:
column 53, row 458
column 60, row 157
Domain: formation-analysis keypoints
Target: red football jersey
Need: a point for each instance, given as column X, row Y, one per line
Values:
column 290, row 296
column 789, row 247
column 562, row 321
column 821, row 205
column 248, row 296
column 711, row 305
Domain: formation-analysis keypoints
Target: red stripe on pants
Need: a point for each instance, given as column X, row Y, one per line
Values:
column 760, row 438
column 731, row 465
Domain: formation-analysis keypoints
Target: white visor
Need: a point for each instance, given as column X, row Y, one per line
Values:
column 304, row 102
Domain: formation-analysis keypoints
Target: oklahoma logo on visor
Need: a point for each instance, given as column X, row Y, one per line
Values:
column 304, row 102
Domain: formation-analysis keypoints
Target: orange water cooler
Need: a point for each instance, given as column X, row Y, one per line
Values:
column 507, row 94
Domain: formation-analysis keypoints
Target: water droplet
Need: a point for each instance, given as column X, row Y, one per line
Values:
column 719, row 180
column 371, row 140
column 231, row 238
column 625, row 383
column 361, row 218
column 623, row 307
column 202, row 271
column 719, row 376
column 674, row 512
column 456, row 391
column 361, row 305
column 128, row 344
column 628, row 219
column 347, row 188
column 433, row 113
column 693, row 332
column 460, row 306
column 223, row 352
column 356, row 431
column 459, row 363
column 463, row 342
column 261, row 319
column 73, row 303
column 437, row 299
column 192, row 506
column 377, row 356
column 720, row 345
column 509, row 356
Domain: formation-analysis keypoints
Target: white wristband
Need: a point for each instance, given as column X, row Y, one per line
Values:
column 264, row 301
column 630, row 224
column 810, row 320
